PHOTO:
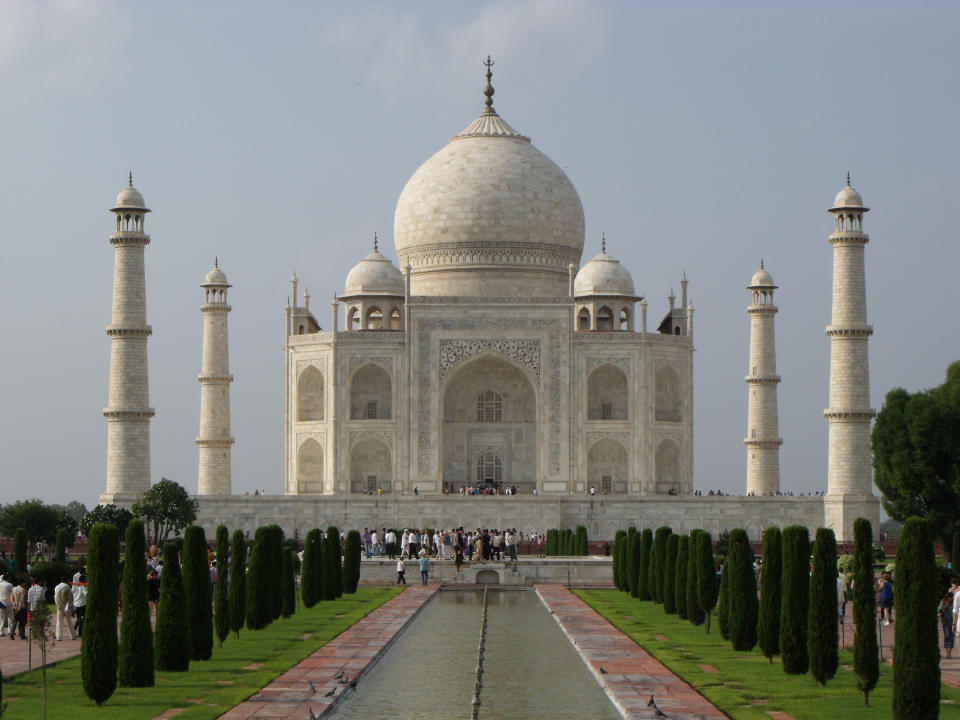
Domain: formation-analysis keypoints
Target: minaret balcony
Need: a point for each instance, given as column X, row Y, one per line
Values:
column 760, row 309
column 849, row 330
column 129, row 237
column 128, row 413
column 850, row 415
column 849, row 237
column 763, row 444
column 215, row 378
column 121, row 332
column 214, row 442
column 762, row 379
column 215, row 307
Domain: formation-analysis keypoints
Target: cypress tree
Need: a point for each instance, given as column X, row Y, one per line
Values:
column 238, row 582
column 221, row 603
column 196, row 586
column 618, row 558
column 277, row 579
column 670, row 576
column 98, row 662
column 136, row 635
column 61, row 551
column 822, row 636
column 259, row 575
column 582, row 544
column 551, row 545
column 20, row 550
column 289, row 583
column 865, row 662
column 916, row 662
column 171, row 640
column 694, row 611
column 795, row 603
column 633, row 562
column 310, row 572
column 351, row 562
column 683, row 560
column 337, row 562
column 660, row 543
column 955, row 554
column 742, row 595
column 331, row 560
column 643, row 566
column 768, row 624
column 707, row 578
column 723, row 602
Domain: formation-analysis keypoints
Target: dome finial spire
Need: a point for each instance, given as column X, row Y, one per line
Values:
column 848, row 179
column 488, row 90
column 375, row 241
column 130, row 179
column 603, row 242
column 216, row 262
column 761, row 263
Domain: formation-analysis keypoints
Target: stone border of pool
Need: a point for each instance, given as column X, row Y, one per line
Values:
column 352, row 652
column 631, row 675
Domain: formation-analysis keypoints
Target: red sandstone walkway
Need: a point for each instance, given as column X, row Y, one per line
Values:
column 351, row 652
column 632, row 675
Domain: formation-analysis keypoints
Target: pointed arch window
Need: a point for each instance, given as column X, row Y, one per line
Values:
column 489, row 468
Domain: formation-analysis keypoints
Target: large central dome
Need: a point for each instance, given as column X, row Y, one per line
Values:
column 489, row 215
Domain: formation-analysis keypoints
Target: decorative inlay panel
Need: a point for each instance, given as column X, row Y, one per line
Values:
column 360, row 435
column 453, row 352
column 621, row 437
column 356, row 361
column 621, row 362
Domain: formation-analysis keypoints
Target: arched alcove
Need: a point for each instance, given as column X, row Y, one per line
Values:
column 370, row 394
column 607, row 394
column 607, row 467
column 605, row 318
column 667, row 400
column 310, row 468
column 667, row 468
column 371, row 467
column 374, row 319
column 310, row 395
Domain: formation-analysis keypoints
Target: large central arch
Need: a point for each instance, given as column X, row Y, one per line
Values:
column 489, row 411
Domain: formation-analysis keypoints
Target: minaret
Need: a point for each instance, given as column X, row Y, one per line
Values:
column 763, row 428
column 128, row 413
column 215, row 378
column 849, row 480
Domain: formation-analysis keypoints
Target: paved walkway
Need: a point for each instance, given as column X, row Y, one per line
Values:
column 351, row 652
column 629, row 674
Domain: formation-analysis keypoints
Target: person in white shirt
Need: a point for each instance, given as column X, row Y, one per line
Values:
column 80, row 602
column 63, row 597
column 841, row 595
column 6, row 612
column 405, row 544
column 391, row 540
column 401, row 573
column 375, row 543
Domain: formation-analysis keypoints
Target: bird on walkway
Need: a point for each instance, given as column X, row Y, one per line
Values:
column 313, row 715
column 657, row 712
column 330, row 692
column 603, row 671
column 353, row 684
column 345, row 680
column 338, row 675
column 313, row 688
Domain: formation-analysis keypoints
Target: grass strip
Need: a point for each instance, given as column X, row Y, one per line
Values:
column 209, row 688
column 745, row 686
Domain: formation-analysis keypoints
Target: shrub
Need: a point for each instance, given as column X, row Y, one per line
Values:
column 238, row 582
column 221, row 612
column 351, row 562
column 310, row 575
column 136, row 634
column 20, row 550
column 723, row 602
column 644, row 581
column 98, row 663
column 670, row 576
column 916, row 663
column 822, row 617
column 865, row 662
column 196, row 586
column 694, row 611
column 582, row 544
column 618, row 558
column 845, row 563
column 289, row 584
column 680, row 583
column 706, row 576
column 259, row 575
column 795, row 603
column 768, row 624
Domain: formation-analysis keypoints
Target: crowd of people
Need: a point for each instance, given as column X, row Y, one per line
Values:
column 19, row 598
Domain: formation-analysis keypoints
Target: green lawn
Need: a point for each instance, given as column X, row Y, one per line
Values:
column 745, row 686
column 278, row 647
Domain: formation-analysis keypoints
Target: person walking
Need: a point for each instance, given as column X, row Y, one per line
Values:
column 18, row 601
column 946, row 622
column 886, row 598
column 80, row 602
column 401, row 572
column 6, row 611
column 424, row 568
column 63, row 597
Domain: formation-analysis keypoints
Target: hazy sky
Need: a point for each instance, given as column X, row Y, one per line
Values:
column 278, row 136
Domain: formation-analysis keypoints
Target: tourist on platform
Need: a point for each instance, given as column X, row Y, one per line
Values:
column 390, row 540
column 401, row 573
column 365, row 537
column 375, row 543
column 424, row 569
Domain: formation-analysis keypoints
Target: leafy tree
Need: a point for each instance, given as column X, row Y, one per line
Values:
column 221, row 603
column 916, row 663
column 98, row 652
column 238, row 582
column 865, row 662
column 171, row 640
column 289, row 584
column 723, row 602
column 311, row 574
column 117, row 516
column 136, row 635
column 822, row 619
column 259, row 605
column 794, row 607
column 742, row 594
column 916, row 455
column 644, row 581
column 20, row 550
column 196, row 586
column 680, row 584
column 75, row 510
column 633, row 560
column 351, row 564
column 706, row 576
column 694, row 611
column 618, row 558
column 768, row 624
column 36, row 517
column 166, row 508
column 670, row 575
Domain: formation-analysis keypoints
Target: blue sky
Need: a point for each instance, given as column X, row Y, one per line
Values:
column 278, row 136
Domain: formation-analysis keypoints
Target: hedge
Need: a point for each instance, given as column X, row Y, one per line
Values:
column 618, row 551
column 581, row 543
column 795, row 603
column 659, row 562
column 822, row 635
column 136, row 634
column 98, row 652
column 771, row 576
column 866, row 664
column 288, row 606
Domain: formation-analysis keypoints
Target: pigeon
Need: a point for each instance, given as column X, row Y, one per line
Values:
column 603, row 671
column 353, row 684
column 657, row 712
column 313, row 715
column 330, row 693
column 313, row 688
column 338, row 675
column 345, row 680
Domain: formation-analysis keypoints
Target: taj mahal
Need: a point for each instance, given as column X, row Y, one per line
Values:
column 491, row 355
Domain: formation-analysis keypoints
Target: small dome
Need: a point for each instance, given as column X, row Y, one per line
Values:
column 761, row 279
column 603, row 276
column 130, row 198
column 215, row 277
column 848, row 198
column 374, row 275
